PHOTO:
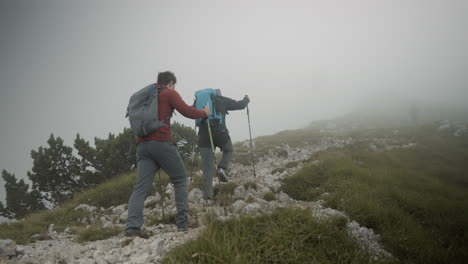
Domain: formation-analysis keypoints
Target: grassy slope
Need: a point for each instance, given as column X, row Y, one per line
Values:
column 275, row 143
column 284, row 236
column 111, row 193
column 415, row 198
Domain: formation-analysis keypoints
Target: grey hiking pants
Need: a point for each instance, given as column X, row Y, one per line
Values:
column 208, row 161
column 152, row 156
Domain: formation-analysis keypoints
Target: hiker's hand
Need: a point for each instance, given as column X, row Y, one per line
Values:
column 246, row 99
column 206, row 109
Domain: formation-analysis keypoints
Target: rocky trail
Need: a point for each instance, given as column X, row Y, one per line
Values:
column 63, row 248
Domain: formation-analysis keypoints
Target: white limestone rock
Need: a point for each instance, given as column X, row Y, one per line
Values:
column 123, row 217
column 249, row 196
column 315, row 162
column 195, row 195
column 7, row 247
column 111, row 259
column 238, row 205
column 239, row 192
column 86, row 208
column 157, row 246
column 170, row 192
column 460, row 130
column 324, row 213
column 367, row 240
column 444, row 125
column 252, row 208
column 283, row 197
column 118, row 210
column 151, row 200
column 50, row 229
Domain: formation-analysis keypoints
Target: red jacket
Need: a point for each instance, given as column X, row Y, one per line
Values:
column 168, row 100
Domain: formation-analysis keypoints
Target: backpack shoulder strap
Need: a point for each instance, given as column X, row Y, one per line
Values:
column 150, row 92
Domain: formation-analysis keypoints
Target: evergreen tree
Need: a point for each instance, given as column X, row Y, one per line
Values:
column 35, row 201
column 186, row 139
column 87, row 161
column 3, row 211
column 116, row 154
column 111, row 156
column 18, row 201
column 55, row 171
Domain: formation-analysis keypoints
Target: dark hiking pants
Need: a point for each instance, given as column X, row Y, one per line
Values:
column 152, row 156
column 208, row 161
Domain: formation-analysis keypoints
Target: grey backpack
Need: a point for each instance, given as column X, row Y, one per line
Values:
column 142, row 111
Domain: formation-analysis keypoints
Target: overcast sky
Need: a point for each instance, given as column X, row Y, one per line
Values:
column 69, row 67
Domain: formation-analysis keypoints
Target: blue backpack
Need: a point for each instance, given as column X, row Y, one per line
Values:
column 207, row 97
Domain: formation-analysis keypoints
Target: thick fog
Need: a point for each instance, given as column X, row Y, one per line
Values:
column 69, row 67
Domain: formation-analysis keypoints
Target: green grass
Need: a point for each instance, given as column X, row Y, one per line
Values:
column 307, row 184
column 293, row 138
column 156, row 220
column 284, row 236
column 278, row 170
column 37, row 223
column 94, row 233
column 273, row 144
column 242, row 156
column 114, row 192
column 292, row 164
column 414, row 198
column 228, row 188
column 269, row 196
column 281, row 153
column 224, row 192
column 250, row 185
column 197, row 182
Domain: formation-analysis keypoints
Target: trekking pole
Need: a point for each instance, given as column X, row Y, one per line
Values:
column 193, row 155
column 212, row 148
column 131, row 143
column 214, row 159
column 162, row 195
column 251, row 148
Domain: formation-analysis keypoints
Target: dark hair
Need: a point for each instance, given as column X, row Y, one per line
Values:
column 166, row 77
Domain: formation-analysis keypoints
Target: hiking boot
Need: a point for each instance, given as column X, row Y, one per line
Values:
column 191, row 224
column 135, row 233
column 222, row 174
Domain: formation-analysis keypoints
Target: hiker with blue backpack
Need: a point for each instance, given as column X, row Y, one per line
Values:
column 213, row 133
column 149, row 112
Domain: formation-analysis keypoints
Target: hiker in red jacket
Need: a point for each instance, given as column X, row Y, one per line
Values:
column 157, row 151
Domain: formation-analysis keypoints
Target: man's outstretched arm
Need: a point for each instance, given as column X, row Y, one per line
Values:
column 236, row 105
column 186, row 110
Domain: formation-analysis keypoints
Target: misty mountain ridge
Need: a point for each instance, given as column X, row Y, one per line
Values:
column 381, row 113
column 353, row 186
